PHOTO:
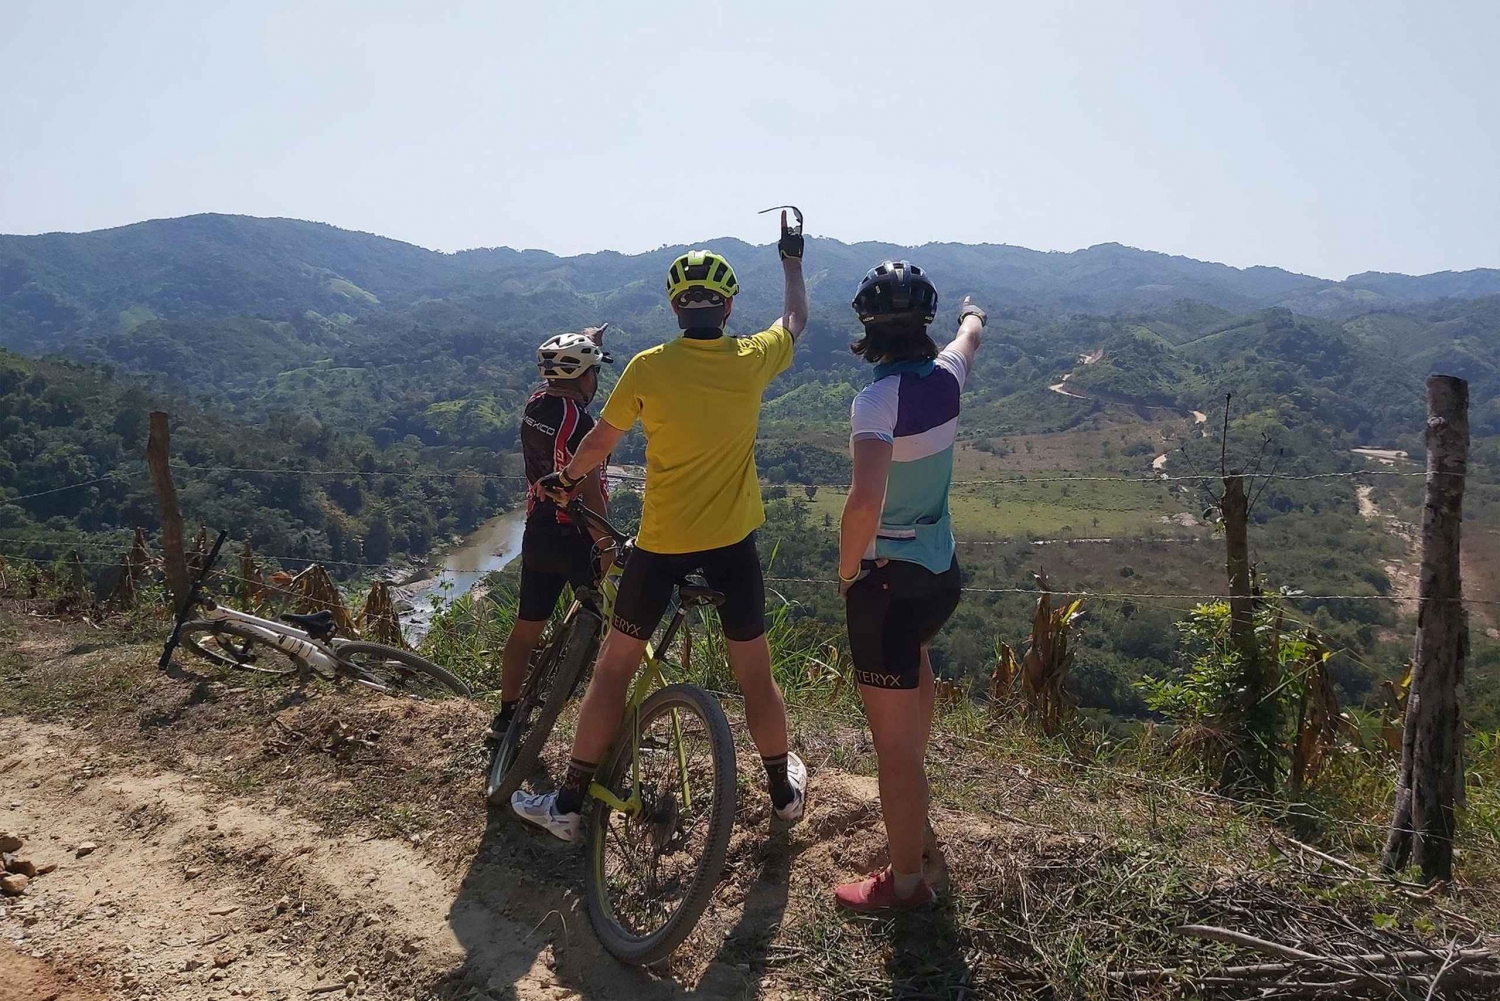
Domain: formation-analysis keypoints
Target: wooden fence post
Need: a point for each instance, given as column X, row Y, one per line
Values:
column 1430, row 787
column 1251, row 763
column 158, row 451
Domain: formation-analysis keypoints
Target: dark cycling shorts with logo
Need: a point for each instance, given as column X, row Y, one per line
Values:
column 646, row 588
column 552, row 556
column 892, row 614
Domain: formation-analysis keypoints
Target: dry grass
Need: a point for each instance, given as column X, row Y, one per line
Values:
column 1062, row 861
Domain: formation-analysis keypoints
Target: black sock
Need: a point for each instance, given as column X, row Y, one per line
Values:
column 575, row 786
column 502, row 719
column 781, row 789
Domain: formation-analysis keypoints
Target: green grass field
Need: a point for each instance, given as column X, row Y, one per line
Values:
column 1049, row 510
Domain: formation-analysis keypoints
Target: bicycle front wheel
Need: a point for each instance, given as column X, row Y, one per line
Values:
column 650, row 876
column 396, row 672
column 547, row 690
column 231, row 645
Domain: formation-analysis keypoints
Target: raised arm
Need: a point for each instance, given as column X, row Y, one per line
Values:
column 794, row 305
column 971, row 321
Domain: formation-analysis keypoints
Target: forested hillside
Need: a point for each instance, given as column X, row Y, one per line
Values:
column 72, row 442
column 284, row 344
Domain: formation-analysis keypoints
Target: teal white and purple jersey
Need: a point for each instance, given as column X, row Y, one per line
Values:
column 914, row 406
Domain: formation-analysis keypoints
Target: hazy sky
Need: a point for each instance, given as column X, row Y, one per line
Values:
column 1327, row 137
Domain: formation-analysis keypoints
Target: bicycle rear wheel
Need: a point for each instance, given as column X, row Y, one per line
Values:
column 231, row 645
column 396, row 672
column 651, row 876
column 548, row 688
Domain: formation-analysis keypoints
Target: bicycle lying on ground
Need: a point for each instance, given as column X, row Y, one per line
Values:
column 303, row 645
column 662, row 808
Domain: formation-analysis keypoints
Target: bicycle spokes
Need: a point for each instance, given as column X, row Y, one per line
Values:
column 650, row 858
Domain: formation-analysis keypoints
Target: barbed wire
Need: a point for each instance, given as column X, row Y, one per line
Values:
column 56, row 490
column 1016, row 480
column 1290, row 595
column 1141, row 595
column 410, row 474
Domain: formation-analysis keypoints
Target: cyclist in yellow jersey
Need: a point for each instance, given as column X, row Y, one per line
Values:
column 698, row 400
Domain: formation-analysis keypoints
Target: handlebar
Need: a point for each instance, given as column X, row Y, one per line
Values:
column 581, row 512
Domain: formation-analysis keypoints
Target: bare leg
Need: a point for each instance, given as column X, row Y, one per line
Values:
column 895, row 717
column 519, row 646
column 927, row 686
column 765, row 711
column 604, row 703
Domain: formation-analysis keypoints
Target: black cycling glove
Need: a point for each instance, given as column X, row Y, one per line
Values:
column 790, row 244
column 969, row 309
column 557, row 484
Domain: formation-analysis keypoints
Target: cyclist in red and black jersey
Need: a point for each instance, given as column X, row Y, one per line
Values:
column 554, row 552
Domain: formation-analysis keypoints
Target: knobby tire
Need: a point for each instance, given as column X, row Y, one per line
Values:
column 397, row 672
column 657, row 945
column 547, row 690
column 196, row 632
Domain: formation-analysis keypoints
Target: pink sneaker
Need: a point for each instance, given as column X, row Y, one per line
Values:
column 878, row 893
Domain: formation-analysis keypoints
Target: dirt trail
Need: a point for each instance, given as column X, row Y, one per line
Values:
column 188, row 896
column 1403, row 573
column 228, row 862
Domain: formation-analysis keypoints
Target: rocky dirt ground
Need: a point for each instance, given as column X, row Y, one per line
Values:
column 215, row 837
column 224, row 842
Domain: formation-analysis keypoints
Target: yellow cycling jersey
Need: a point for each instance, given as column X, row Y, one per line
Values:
column 699, row 403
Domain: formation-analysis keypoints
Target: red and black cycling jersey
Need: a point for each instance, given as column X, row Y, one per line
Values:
column 551, row 430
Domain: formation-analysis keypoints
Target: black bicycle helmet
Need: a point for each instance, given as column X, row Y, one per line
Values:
column 895, row 290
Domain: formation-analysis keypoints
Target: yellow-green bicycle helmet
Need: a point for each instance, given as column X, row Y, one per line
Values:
column 701, row 278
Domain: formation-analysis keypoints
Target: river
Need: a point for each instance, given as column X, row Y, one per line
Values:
column 491, row 547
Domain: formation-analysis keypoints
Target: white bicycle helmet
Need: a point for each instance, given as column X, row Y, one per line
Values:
column 569, row 356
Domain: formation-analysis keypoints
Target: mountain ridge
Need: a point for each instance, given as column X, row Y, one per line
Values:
column 57, row 287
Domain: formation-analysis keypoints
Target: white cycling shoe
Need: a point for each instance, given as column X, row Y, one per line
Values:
column 540, row 809
column 796, row 776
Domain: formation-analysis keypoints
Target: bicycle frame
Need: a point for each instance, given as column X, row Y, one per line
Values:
column 288, row 638
column 647, row 681
column 652, row 677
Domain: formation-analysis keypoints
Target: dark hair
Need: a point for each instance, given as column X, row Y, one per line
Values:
column 895, row 340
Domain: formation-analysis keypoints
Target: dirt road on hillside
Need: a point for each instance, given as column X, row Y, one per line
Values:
column 242, row 848
column 1403, row 573
column 218, row 838
column 186, row 896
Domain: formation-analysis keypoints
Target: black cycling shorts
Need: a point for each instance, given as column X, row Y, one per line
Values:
column 551, row 557
column 892, row 614
column 647, row 582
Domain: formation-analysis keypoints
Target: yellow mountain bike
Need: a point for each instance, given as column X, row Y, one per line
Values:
column 661, row 810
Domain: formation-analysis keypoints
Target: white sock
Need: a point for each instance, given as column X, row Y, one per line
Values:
column 906, row 883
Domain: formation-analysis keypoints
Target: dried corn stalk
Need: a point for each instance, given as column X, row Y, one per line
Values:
column 197, row 557
column 313, row 591
column 1043, row 670
column 1393, row 712
column 139, row 558
column 122, row 595
column 1318, row 718
column 830, row 669
column 948, row 694
column 378, row 618
column 252, row 581
column 75, row 595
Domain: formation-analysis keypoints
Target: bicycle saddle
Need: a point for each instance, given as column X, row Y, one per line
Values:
column 695, row 594
column 316, row 623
